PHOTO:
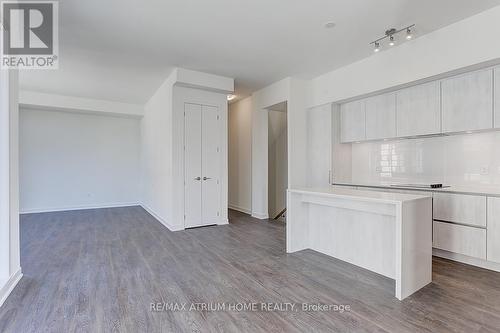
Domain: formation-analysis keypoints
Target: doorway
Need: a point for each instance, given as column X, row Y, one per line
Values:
column 277, row 160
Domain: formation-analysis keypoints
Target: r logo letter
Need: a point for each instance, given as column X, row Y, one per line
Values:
column 35, row 22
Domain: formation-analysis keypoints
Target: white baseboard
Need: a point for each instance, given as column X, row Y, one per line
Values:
column 467, row 260
column 260, row 216
column 83, row 207
column 240, row 209
column 10, row 285
column 223, row 222
column 161, row 220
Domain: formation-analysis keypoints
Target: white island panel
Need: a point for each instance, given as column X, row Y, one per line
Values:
column 388, row 233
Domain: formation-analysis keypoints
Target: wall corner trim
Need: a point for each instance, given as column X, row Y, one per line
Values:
column 240, row 209
column 9, row 286
column 161, row 220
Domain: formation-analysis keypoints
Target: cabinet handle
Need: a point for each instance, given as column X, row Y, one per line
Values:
column 197, row 178
column 206, row 178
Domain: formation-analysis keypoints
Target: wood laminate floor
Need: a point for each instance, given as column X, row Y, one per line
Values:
column 100, row 270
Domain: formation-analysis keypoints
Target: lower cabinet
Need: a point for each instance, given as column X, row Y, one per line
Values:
column 493, row 230
column 460, row 208
column 469, row 241
column 463, row 223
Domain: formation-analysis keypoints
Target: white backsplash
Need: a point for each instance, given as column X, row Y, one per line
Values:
column 465, row 160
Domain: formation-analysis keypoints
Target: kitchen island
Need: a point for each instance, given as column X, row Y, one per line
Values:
column 387, row 233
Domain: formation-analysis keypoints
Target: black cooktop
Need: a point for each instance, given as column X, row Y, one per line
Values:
column 420, row 185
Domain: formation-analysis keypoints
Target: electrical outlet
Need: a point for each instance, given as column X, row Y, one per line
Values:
column 378, row 168
column 485, row 170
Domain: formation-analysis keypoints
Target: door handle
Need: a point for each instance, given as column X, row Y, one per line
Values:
column 206, row 178
column 197, row 178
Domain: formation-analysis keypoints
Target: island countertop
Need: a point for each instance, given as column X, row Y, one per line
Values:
column 360, row 195
column 491, row 190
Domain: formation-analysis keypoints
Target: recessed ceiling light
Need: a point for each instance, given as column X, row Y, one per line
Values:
column 330, row 25
column 231, row 97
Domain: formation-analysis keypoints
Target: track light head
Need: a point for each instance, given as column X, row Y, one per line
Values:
column 391, row 41
column 377, row 47
column 409, row 35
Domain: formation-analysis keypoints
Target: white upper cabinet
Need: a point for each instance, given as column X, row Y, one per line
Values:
column 497, row 97
column 467, row 102
column 352, row 122
column 419, row 110
column 381, row 117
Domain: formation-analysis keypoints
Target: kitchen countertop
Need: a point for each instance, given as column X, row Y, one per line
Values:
column 360, row 195
column 486, row 190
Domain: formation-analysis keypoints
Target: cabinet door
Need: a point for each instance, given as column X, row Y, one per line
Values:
column 460, row 208
column 419, row 110
column 460, row 239
column 497, row 97
column 352, row 121
column 493, row 230
column 319, row 145
column 381, row 117
column 468, row 102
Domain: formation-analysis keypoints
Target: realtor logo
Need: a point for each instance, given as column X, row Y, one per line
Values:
column 29, row 34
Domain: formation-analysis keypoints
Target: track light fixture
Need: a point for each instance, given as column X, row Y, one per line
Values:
column 391, row 34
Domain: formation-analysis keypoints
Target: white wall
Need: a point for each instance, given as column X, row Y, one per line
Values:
column 278, row 161
column 10, row 269
column 156, row 153
column 293, row 91
column 460, row 160
column 15, row 255
column 162, row 135
column 52, row 102
column 4, row 177
column 71, row 161
column 465, row 43
column 240, row 155
column 205, row 81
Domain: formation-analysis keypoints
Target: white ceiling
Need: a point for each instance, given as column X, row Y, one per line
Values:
column 122, row 49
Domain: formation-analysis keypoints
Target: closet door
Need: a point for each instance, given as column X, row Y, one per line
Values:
column 210, row 165
column 192, row 165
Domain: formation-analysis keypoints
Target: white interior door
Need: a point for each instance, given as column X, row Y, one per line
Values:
column 192, row 165
column 210, row 165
